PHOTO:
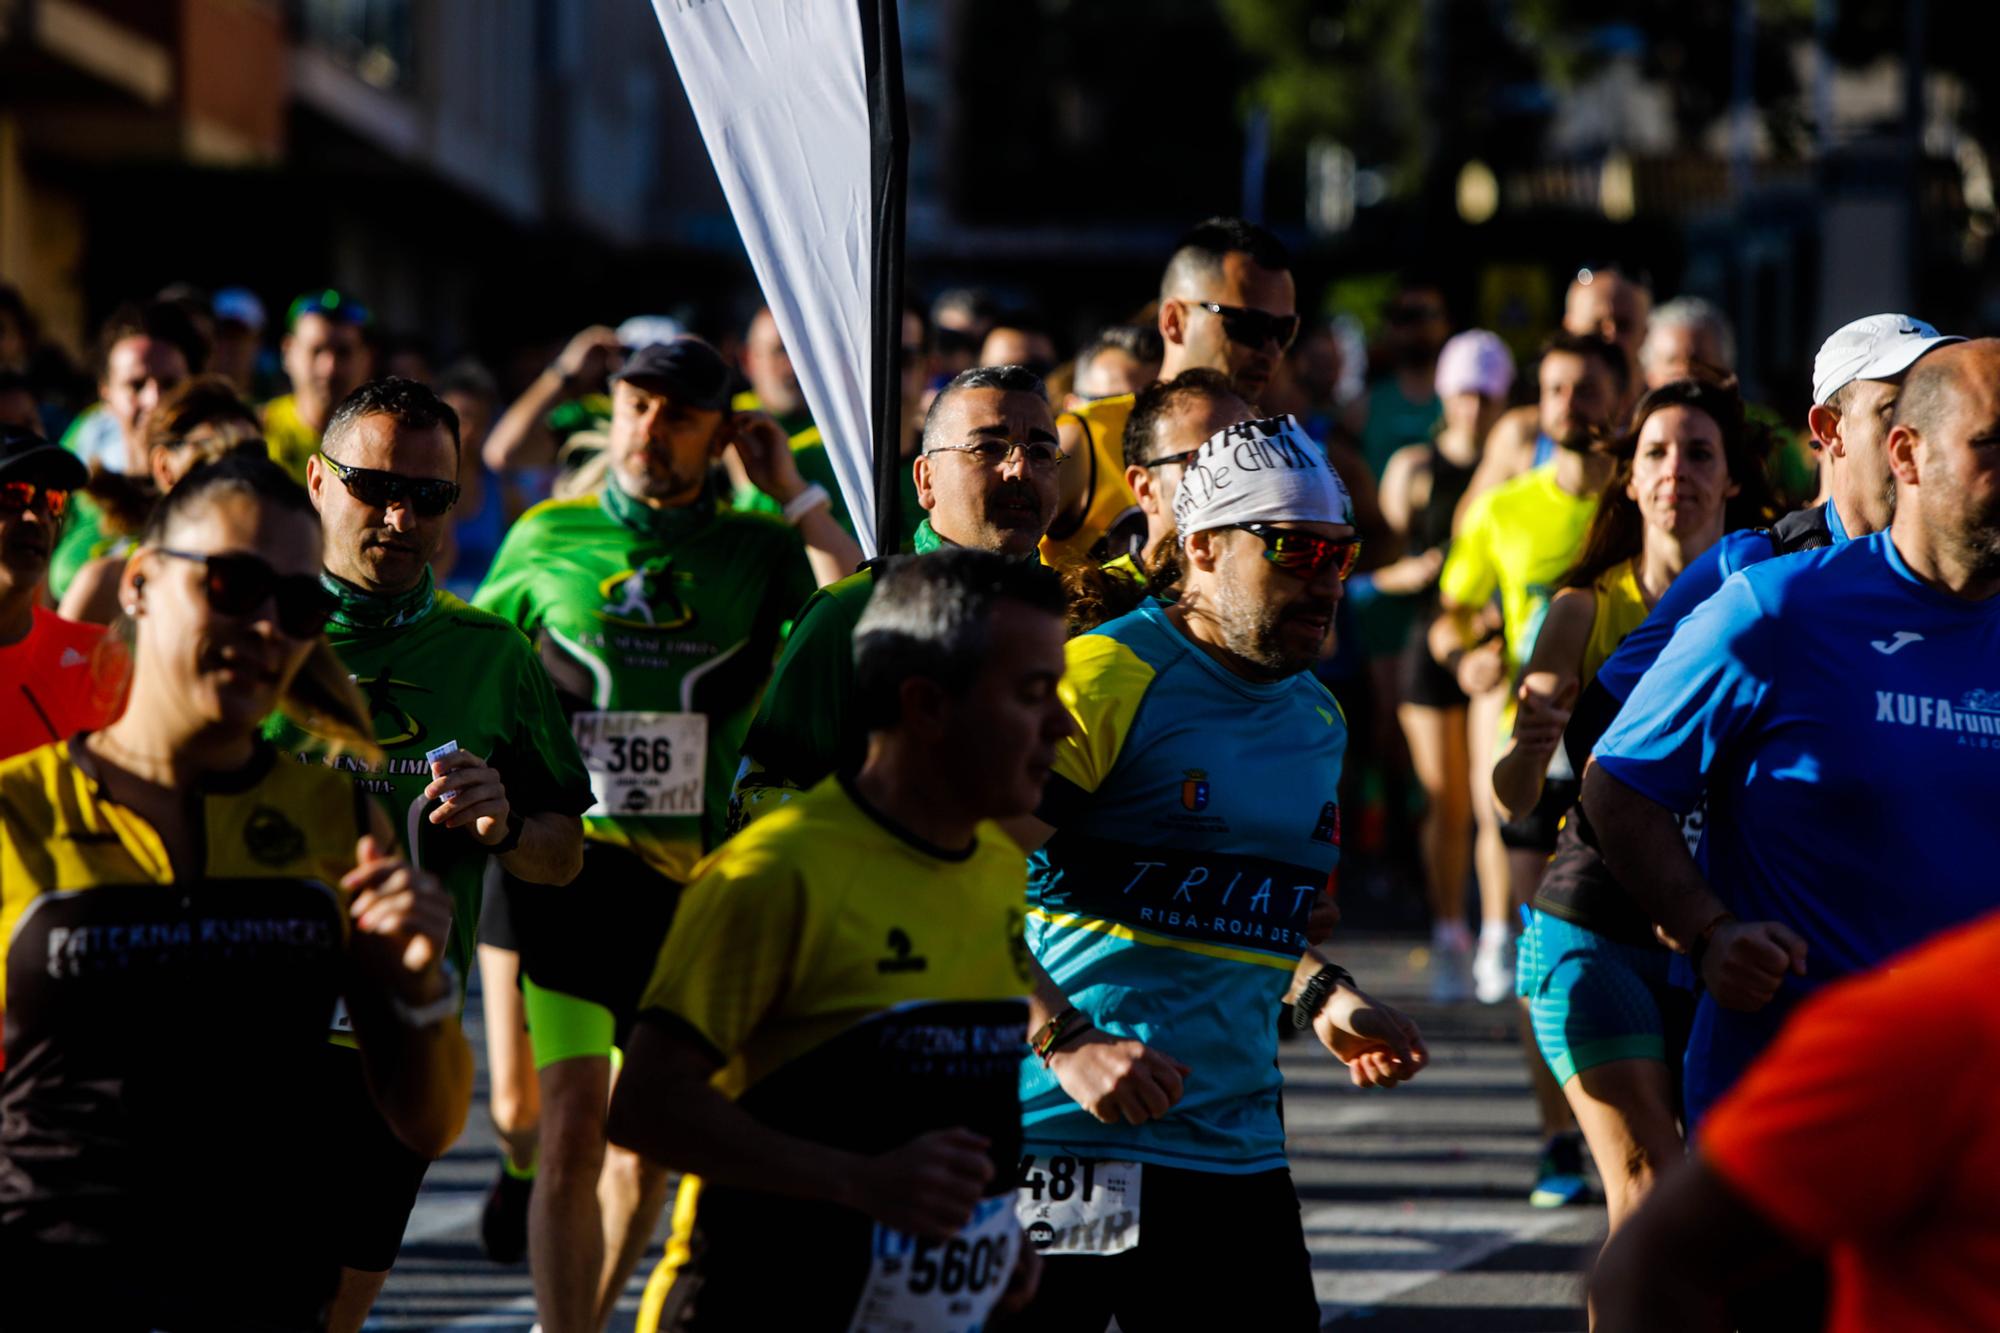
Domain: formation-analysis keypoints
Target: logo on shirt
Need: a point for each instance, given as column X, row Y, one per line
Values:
column 1194, row 791
column 1890, row 647
column 645, row 597
column 900, row 958
column 1974, row 719
column 1327, row 830
column 71, row 658
column 271, row 838
column 394, row 724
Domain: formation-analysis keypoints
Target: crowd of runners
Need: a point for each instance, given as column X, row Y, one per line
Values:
column 918, row 935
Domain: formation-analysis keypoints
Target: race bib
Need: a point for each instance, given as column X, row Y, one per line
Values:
column 644, row 765
column 1078, row 1205
column 924, row 1286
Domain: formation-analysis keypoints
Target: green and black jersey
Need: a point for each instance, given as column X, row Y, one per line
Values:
column 658, row 627
column 435, row 670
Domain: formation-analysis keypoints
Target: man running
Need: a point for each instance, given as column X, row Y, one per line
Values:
column 1189, row 827
column 659, row 701
column 1832, row 706
column 55, row 679
column 477, row 762
column 853, row 965
column 987, row 477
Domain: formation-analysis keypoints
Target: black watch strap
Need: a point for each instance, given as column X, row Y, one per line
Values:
column 513, row 839
column 1314, row 994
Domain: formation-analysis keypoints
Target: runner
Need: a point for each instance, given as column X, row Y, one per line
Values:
column 1421, row 488
column 1609, row 1016
column 838, row 1120
column 176, row 947
column 327, row 355
column 656, row 612
column 1801, row 887
column 1818, row 1151
column 987, row 479
column 1188, row 830
column 1228, row 303
column 57, row 677
column 477, row 764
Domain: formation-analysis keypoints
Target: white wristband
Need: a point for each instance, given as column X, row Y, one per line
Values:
column 807, row 500
column 430, row 1015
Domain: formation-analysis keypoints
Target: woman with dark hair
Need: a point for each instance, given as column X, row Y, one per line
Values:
column 1595, row 977
column 182, row 912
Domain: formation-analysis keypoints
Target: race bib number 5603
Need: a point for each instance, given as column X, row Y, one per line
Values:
column 644, row 764
column 927, row 1286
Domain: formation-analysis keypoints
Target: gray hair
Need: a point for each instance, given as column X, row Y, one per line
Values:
column 1697, row 313
column 930, row 616
column 1010, row 379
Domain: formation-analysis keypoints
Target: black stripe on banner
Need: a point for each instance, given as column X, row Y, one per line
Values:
column 889, row 157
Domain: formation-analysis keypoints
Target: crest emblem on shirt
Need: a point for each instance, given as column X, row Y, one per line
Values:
column 644, row 597
column 1327, row 830
column 272, row 839
column 394, row 724
column 1194, row 790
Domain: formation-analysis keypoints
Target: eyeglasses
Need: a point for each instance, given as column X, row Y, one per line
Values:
column 1304, row 554
column 1040, row 455
column 427, row 497
column 1170, row 460
column 19, row 496
column 1253, row 328
column 238, row 585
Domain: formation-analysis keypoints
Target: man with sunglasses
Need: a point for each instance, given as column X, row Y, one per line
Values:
column 987, row 478
column 54, row 681
column 1189, row 825
column 436, row 674
column 658, row 613
column 327, row 356
column 1227, row 303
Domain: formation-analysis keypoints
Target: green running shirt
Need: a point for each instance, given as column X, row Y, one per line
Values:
column 658, row 627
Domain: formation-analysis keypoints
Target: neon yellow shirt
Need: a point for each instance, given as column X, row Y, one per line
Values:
column 292, row 441
column 1517, row 540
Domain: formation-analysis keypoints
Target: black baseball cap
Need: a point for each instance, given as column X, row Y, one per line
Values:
column 687, row 370
column 25, row 455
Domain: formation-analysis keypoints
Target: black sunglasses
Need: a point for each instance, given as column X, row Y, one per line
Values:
column 1304, row 554
column 427, row 497
column 238, row 585
column 1170, row 460
column 1253, row 328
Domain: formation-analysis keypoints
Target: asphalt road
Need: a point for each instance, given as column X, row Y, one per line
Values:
column 1415, row 1199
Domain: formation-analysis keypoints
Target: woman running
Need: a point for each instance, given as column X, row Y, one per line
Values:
column 182, row 914
column 1607, row 1017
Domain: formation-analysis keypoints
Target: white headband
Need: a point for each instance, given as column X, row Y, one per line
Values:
column 1267, row 471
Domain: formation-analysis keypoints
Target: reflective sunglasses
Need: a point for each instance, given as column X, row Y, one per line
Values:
column 18, row 496
column 427, row 497
column 1304, row 554
column 239, row 585
column 1040, row 455
column 1253, row 328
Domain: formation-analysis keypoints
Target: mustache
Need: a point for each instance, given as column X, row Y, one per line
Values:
column 1015, row 492
column 1316, row 607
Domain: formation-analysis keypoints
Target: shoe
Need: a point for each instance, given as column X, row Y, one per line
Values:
column 503, row 1222
column 1559, row 1178
column 1493, row 969
column 1451, row 970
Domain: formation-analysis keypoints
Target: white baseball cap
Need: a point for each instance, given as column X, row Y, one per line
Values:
column 1475, row 361
column 645, row 330
column 1875, row 347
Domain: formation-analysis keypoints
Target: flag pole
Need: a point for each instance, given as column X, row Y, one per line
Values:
column 889, row 156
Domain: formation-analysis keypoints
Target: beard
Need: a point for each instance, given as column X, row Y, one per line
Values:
column 1258, row 632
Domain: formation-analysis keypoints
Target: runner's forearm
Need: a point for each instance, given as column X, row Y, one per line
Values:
column 1647, row 854
column 551, row 849
column 520, row 438
column 831, row 552
column 420, row 1078
column 1517, row 781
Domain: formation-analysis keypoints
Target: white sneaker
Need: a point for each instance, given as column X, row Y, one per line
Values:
column 1451, row 966
column 1493, row 969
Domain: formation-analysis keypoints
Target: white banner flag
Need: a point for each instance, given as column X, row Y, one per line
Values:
column 780, row 90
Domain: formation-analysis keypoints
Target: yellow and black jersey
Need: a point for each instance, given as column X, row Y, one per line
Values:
column 1112, row 524
column 861, row 988
column 160, row 1032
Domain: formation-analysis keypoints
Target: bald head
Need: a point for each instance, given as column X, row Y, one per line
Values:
column 1950, row 381
column 1947, row 468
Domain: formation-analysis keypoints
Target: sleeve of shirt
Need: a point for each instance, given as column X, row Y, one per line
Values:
column 1102, row 686
column 1824, row 1137
column 1695, row 702
column 508, row 587
column 796, row 737
column 732, row 949
column 792, row 589
column 541, row 765
column 1469, row 577
column 1695, row 585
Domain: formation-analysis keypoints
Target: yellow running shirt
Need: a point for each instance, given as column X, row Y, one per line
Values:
column 292, row 441
column 1108, row 500
column 1517, row 540
column 1621, row 606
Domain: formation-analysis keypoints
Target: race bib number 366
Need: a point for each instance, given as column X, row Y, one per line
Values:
column 644, row 764
column 924, row 1286
column 1079, row 1205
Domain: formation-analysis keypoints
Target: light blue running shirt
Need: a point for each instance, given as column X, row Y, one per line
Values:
column 1197, row 819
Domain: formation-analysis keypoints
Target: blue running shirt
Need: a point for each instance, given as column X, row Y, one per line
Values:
column 1844, row 720
column 1196, row 820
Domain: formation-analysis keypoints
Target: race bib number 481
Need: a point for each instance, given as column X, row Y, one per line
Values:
column 644, row 764
column 1078, row 1205
column 924, row 1286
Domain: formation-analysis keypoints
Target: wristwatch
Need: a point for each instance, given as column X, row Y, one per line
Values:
column 513, row 838
column 1314, row 994
column 429, row 1015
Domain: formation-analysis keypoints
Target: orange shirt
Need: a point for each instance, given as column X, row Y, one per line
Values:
column 1871, row 1131
column 56, row 682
